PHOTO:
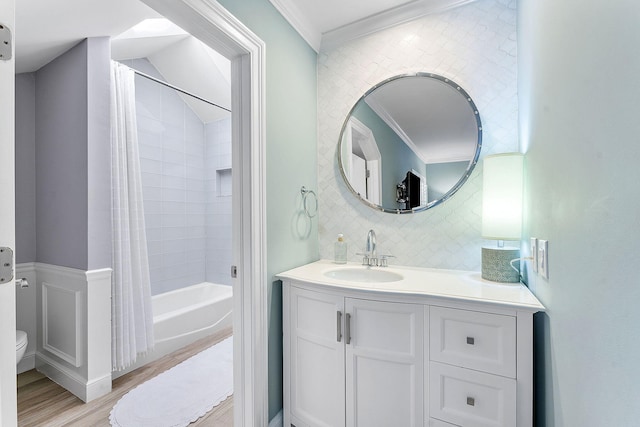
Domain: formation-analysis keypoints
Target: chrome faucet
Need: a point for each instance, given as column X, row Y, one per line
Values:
column 371, row 245
column 370, row 255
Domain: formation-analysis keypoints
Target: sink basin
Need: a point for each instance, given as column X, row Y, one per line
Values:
column 363, row 274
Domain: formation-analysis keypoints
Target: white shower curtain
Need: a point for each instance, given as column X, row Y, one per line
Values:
column 131, row 311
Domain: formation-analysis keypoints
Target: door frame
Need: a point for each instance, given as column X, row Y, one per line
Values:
column 8, row 398
column 358, row 130
column 215, row 26
column 211, row 23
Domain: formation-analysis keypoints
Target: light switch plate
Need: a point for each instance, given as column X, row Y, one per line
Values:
column 533, row 242
column 543, row 258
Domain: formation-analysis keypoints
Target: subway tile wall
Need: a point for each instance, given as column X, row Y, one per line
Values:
column 218, row 179
column 177, row 154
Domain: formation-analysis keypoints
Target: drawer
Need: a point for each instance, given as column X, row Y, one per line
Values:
column 470, row 398
column 482, row 341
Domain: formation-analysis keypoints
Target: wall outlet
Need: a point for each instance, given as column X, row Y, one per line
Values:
column 533, row 242
column 543, row 258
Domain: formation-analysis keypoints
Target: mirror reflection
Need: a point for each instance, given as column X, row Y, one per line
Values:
column 410, row 143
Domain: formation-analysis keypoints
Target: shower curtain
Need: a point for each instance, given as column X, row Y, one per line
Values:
column 131, row 311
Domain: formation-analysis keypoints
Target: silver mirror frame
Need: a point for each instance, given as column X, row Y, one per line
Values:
column 461, row 181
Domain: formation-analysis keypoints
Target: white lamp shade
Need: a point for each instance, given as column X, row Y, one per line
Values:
column 502, row 196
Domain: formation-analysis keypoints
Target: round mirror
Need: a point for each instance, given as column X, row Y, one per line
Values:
column 410, row 143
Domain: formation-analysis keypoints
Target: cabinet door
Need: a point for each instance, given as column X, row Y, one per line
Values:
column 384, row 363
column 316, row 359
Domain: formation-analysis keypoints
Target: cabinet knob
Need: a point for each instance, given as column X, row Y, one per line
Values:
column 471, row 401
column 471, row 341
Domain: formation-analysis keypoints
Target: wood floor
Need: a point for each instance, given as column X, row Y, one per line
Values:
column 43, row 403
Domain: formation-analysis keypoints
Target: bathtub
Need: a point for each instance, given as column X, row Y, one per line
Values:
column 185, row 315
column 197, row 310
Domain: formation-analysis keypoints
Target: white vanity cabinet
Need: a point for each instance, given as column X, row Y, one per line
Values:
column 434, row 349
column 352, row 361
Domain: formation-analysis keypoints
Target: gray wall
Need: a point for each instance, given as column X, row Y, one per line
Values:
column 98, row 152
column 578, row 90
column 73, row 224
column 61, row 160
column 25, row 168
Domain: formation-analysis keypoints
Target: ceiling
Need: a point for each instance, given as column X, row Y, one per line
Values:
column 47, row 28
column 433, row 118
column 39, row 39
column 327, row 23
column 323, row 24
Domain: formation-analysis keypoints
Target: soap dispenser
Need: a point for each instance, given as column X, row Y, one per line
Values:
column 340, row 250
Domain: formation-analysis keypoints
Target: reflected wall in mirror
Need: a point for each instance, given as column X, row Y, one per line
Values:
column 410, row 143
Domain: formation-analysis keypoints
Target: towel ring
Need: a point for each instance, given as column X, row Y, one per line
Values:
column 305, row 196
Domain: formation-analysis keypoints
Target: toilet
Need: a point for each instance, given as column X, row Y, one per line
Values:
column 21, row 345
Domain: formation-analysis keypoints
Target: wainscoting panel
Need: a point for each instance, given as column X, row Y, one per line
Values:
column 62, row 329
column 74, row 322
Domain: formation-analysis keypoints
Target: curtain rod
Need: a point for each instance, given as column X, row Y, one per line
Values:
column 147, row 76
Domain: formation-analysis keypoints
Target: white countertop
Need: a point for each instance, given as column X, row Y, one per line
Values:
column 450, row 284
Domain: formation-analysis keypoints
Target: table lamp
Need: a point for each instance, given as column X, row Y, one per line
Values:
column 502, row 215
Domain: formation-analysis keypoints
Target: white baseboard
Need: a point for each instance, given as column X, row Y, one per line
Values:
column 72, row 381
column 277, row 420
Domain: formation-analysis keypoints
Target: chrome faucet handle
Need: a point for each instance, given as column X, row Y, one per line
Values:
column 365, row 257
column 384, row 260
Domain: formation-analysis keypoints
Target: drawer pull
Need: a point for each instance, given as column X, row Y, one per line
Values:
column 471, row 340
column 347, row 338
column 339, row 326
column 471, row 401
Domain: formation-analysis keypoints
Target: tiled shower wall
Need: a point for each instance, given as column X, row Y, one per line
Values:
column 474, row 45
column 218, row 175
column 178, row 186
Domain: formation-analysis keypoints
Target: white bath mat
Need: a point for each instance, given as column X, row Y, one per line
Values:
column 180, row 395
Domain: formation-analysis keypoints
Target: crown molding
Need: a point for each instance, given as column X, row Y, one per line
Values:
column 387, row 19
column 299, row 22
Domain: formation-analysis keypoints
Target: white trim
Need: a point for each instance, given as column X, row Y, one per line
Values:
column 99, row 274
column 8, row 395
column 307, row 30
column 25, row 268
column 372, row 157
column 65, row 272
column 382, row 112
column 212, row 24
column 71, row 381
column 387, row 19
